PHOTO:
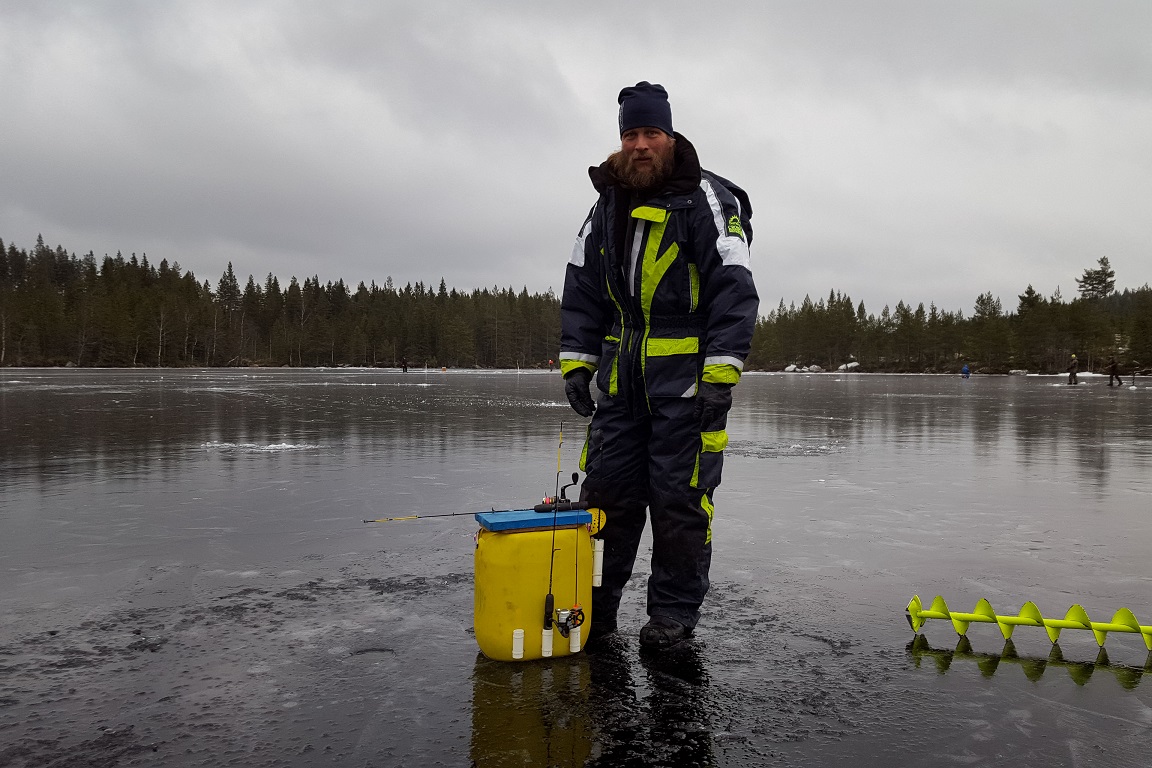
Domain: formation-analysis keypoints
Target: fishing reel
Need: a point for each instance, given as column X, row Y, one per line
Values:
column 564, row 488
column 561, row 502
column 567, row 620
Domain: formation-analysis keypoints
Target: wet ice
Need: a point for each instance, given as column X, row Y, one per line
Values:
column 186, row 580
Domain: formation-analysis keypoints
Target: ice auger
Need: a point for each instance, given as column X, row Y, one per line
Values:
column 1029, row 616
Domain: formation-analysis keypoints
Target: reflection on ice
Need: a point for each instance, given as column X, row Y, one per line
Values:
column 1033, row 666
column 254, row 448
column 757, row 450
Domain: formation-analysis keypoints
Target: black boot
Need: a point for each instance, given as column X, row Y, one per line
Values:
column 663, row 632
column 603, row 637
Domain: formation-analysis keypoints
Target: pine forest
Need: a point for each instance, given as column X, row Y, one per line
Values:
column 57, row 309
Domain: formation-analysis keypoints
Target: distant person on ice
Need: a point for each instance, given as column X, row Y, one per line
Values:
column 660, row 305
column 1072, row 368
column 964, row 372
column 1114, row 372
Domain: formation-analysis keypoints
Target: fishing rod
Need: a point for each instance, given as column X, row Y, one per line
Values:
column 559, row 502
column 422, row 517
column 551, row 504
column 549, row 599
column 568, row 621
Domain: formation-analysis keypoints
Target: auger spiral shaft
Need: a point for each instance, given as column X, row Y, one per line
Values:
column 1029, row 616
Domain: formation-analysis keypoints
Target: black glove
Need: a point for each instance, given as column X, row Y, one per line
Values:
column 712, row 403
column 576, row 387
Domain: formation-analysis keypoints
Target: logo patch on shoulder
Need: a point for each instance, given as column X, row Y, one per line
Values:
column 734, row 227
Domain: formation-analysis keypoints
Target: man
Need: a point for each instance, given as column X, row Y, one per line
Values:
column 1114, row 372
column 1073, row 367
column 660, row 305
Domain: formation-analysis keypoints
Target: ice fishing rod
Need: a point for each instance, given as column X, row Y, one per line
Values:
column 567, row 620
column 422, row 517
column 549, row 505
column 550, row 600
column 559, row 505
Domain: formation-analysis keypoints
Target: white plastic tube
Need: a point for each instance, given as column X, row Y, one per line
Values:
column 517, row 643
column 597, row 561
column 546, row 643
column 574, row 640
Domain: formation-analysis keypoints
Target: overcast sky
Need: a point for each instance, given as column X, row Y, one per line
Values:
column 923, row 151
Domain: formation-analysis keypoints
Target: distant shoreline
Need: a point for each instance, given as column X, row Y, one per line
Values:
column 541, row 370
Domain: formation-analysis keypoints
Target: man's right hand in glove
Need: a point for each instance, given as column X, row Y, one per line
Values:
column 576, row 386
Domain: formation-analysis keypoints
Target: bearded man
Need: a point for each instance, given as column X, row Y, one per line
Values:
column 660, row 305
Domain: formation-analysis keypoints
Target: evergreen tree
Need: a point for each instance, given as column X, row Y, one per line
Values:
column 1099, row 283
column 1140, row 329
column 56, row 308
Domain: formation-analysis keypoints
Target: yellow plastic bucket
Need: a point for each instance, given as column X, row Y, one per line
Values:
column 515, row 553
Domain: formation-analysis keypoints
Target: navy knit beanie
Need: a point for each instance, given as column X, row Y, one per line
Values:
column 645, row 104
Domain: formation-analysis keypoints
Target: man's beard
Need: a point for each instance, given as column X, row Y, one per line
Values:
column 649, row 177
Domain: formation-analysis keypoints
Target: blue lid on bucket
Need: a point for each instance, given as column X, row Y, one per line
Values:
column 520, row 519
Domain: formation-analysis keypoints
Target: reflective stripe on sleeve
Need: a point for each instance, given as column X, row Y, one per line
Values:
column 733, row 250
column 567, row 366
column 735, row 362
column 579, row 356
column 577, row 257
column 720, row 374
column 570, row 361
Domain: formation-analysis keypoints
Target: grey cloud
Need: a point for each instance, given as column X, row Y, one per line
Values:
column 915, row 151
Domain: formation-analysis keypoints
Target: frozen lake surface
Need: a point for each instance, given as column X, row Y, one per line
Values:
column 185, row 579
